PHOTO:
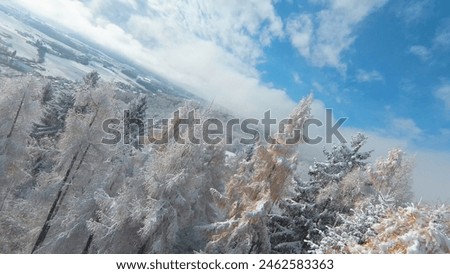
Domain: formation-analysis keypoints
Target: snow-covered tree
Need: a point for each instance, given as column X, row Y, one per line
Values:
column 252, row 193
column 19, row 105
column 162, row 214
column 56, row 105
column 372, row 195
column 340, row 161
column 317, row 202
column 392, row 177
column 178, row 198
column 91, row 79
column 388, row 229
column 41, row 51
column 78, row 169
column 47, row 94
column 112, row 227
column 135, row 114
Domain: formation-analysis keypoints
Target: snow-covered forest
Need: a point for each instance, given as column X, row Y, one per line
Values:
column 63, row 191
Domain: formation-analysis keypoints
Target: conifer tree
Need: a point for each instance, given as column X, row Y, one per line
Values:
column 252, row 193
column 136, row 115
column 318, row 202
column 56, row 106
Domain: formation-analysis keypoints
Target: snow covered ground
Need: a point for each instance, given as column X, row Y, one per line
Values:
column 64, row 57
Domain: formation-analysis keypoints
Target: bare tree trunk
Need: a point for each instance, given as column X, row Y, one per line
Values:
column 7, row 142
column 51, row 214
column 88, row 244
column 17, row 116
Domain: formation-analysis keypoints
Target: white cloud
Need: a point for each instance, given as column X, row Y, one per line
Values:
column 241, row 28
column 405, row 127
column 368, row 76
column 322, row 37
column 318, row 87
column 413, row 11
column 431, row 176
column 440, row 139
column 443, row 93
column 296, row 78
column 442, row 38
column 300, row 30
column 421, row 52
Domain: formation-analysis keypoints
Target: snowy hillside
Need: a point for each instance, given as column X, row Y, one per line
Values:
column 28, row 45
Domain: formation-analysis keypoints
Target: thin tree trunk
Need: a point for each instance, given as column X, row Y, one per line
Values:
column 7, row 142
column 17, row 116
column 142, row 249
column 54, row 208
column 59, row 198
column 4, row 199
column 88, row 244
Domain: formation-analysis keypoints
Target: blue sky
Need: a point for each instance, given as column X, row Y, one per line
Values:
column 384, row 64
column 393, row 71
